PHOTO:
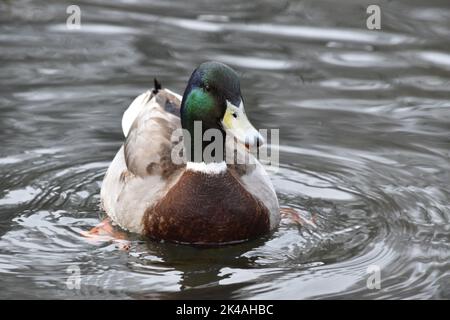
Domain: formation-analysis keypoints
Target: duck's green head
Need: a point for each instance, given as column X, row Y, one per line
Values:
column 213, row 96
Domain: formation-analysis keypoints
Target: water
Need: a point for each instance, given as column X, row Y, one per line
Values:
column 364, row 118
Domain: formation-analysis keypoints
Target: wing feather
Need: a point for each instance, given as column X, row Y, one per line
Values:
column 148, row 145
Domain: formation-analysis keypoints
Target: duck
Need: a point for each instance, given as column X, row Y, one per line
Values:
column 201, row 200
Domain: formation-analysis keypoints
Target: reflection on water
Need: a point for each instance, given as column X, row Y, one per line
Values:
column 364, row 122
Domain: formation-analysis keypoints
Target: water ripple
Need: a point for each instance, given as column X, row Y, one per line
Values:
column 364, row 155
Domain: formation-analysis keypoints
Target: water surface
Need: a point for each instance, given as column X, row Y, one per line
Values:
column 364, row 119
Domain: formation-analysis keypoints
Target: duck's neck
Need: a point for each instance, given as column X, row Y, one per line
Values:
column 205, row 144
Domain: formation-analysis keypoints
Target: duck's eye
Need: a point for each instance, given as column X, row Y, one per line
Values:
column 207, row 88
column 235, row 114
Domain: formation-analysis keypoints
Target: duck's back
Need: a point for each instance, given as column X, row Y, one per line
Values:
column 142, row 169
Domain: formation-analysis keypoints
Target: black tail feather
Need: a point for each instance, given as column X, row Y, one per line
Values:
column 157, row 86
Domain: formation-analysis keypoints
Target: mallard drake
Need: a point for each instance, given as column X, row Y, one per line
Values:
column 202, row 201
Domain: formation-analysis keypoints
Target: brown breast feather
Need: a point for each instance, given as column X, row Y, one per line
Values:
column 207, row 209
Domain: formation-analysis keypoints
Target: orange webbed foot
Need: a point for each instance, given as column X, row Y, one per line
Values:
column 297, row 218
column 105, row 232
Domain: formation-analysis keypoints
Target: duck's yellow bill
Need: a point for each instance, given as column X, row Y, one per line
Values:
column 235, row 121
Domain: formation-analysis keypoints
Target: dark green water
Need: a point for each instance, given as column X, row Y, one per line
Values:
column 364, row 120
